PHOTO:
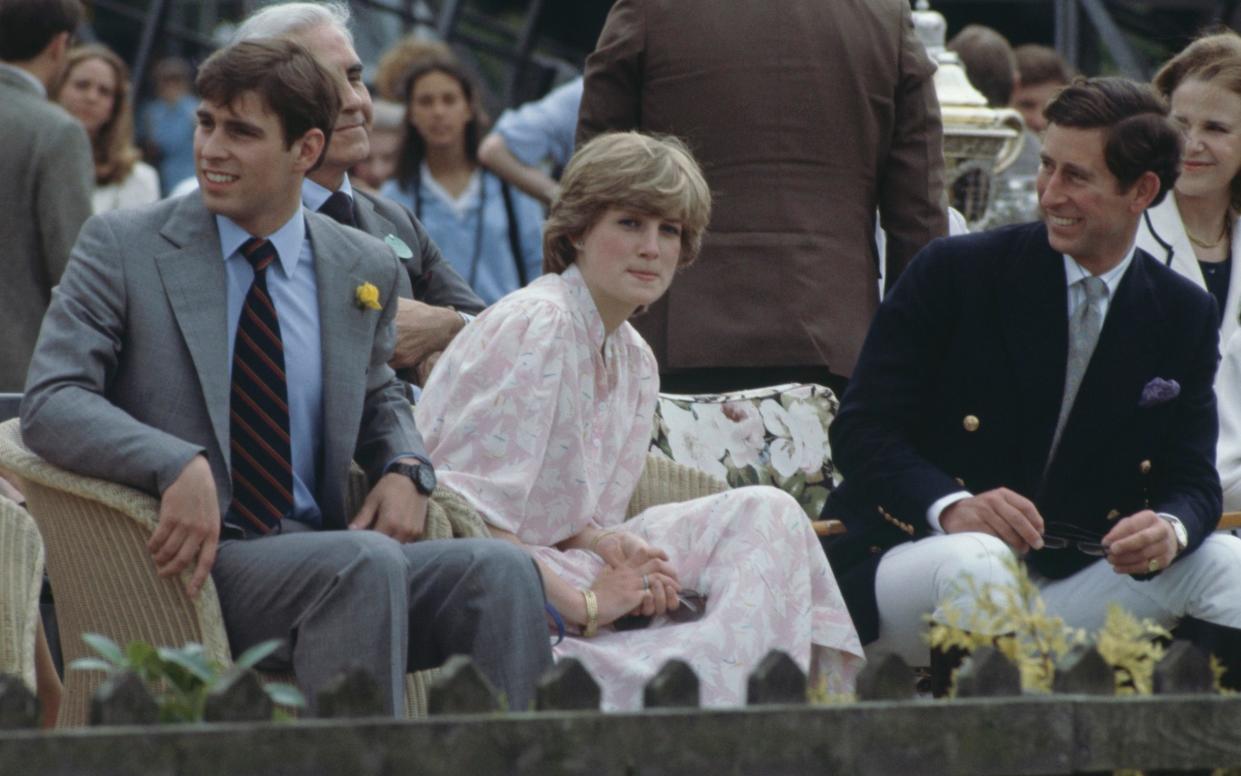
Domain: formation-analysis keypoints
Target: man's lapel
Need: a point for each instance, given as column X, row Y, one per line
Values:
column 196, row 283
column 1123, row 361
column 1034, row 306
column 348, row 331
column 369, row 219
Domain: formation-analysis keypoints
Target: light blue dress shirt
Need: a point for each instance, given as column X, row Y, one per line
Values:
column 294, row 290
column 544, row 129
column 483, row 257
column 314, row 195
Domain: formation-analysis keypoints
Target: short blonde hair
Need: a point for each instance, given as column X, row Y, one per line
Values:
column 649, row 174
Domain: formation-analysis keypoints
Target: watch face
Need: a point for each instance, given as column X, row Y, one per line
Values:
column 426, row 478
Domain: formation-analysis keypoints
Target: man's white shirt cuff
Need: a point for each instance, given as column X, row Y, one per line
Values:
column 936, row 509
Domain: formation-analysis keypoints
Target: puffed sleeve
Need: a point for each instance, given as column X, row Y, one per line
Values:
column 502, row 417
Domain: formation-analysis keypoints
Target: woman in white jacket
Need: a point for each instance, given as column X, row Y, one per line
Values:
column 1194, row 231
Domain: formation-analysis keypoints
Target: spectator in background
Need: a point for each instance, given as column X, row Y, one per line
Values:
column 1041, row 72
column 166, row 128
column 536, row 134
column 392, row 71
column 806, row 117
column 490, row 234
column 989, row 62
column 1010, row 194
column 45, row 173
column 387, row 131
column 94, row 88
column 1194, row 230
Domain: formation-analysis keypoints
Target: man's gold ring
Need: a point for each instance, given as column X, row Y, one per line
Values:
column 1153, row 565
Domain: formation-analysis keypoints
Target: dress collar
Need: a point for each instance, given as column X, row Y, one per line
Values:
column 586, row 306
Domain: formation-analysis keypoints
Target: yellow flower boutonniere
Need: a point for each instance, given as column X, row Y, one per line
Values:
column 367, row 297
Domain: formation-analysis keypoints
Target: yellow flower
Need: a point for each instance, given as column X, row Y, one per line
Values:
column 367, row 297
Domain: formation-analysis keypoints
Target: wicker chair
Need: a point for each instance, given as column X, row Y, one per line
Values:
column 105, row 582
column 21, row 574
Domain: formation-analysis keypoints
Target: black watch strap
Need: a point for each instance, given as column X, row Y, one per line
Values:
column 422, row 474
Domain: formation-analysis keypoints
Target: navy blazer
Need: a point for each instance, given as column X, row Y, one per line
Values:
column 959, row 386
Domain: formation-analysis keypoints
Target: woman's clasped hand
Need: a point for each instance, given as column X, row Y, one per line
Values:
column 637, row 578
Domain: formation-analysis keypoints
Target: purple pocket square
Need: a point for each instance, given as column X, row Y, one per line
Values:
column 1159, row 391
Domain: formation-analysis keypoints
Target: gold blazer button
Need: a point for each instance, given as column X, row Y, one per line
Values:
column 1115, row 513
column 1145, row 467
column 970, row 423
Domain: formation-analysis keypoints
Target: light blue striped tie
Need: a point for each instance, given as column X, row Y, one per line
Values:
column 1084, row 327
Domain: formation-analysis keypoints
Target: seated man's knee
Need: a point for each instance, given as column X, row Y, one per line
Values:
column 975, row 565
column 376, row 554
column 1219, row 555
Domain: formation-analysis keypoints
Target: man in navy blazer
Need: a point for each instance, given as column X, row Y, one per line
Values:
column 962, row 443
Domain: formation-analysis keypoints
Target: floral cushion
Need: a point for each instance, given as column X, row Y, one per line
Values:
column 766, row 436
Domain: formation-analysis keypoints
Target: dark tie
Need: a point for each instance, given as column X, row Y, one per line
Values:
column 339, row 207
column 259, row 409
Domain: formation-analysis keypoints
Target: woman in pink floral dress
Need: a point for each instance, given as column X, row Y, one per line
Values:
column 539, row 414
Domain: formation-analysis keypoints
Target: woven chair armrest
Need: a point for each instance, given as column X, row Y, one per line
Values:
column 665, row 481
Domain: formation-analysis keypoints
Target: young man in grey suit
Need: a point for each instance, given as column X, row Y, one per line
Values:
column 228, row 351
column 425, row 324
column 46, row 173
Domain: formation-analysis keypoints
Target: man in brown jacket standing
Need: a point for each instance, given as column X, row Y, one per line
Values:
column 807, row 118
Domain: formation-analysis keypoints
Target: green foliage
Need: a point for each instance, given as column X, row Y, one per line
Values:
column 181, row 678
column 1035, row 640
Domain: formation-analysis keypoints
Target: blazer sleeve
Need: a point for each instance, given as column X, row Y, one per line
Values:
column 63, row 193
column 75, row 358
column 912, row 207
column 387, row 429
column 872, row 437
column 1189, row 485
column 612, row 94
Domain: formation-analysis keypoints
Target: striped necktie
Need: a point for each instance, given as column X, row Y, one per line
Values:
column 258, row 406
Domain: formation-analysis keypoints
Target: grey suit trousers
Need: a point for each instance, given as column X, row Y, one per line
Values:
column 345, row 598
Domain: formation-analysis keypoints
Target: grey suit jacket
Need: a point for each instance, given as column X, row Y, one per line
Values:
column 46, row 179
column 130, row 378
column 806, row 116
column 431, row 279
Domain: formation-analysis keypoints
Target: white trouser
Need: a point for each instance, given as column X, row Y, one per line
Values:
column 928, row 576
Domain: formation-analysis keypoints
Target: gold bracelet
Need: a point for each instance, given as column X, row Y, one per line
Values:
column 592, row 614
column 594, row 543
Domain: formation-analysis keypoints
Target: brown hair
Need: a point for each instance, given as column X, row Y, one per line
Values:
column 1139, row 136
column 649, row 174
column 288, row 78
column 28, row 26
column 1040, row 65
column 113, row 145
column 1214, row 58
column 413, row 147
column 988, row 61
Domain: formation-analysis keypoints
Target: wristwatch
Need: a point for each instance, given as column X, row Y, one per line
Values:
column 422, row 474
column 1178, row 528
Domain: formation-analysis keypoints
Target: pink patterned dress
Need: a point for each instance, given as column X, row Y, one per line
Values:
column 543, row 424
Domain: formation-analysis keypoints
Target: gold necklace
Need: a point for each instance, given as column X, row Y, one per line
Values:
column 1203, row 243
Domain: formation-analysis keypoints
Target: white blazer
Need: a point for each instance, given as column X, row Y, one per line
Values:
column 1161, row 233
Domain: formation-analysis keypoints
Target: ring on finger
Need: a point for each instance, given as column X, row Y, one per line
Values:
column 646, row 582
column 1153, row 565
